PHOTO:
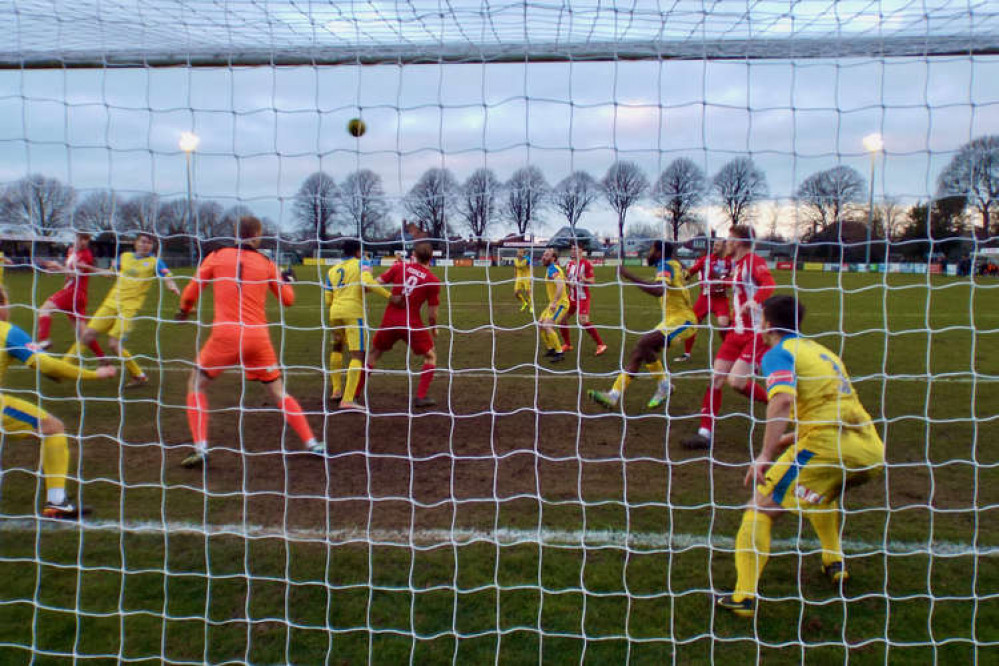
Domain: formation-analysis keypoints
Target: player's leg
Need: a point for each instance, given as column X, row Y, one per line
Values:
column 711, row 403
column 591, row 330
column 722, row 311
column 102, row 322
column 563, row 328
column 337, row 350
column 752, row 551
column 293, row 414
column 549, row 322
column 356, row 343
column 45, row 321
column 740, row 377
column 700, row 311
column 645, row 352
column 78, row 317
column 422, row 343
column 197, row 408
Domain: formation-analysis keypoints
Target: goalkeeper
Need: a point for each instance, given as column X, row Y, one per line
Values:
column 835, row 445
column 23, row 419
column 240, row 278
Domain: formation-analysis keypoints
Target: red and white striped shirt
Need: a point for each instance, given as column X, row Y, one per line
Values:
column 713, row 273
column 751, row 282
column 576, row 272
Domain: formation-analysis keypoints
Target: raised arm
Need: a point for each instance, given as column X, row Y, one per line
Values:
column 653, row 288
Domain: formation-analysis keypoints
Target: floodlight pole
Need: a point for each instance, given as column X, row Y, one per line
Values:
column 874, row 144
column 189, row 143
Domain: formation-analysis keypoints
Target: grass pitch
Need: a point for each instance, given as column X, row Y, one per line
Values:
column 516, row 522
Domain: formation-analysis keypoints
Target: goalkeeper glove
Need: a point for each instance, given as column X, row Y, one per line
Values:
column 288, row 275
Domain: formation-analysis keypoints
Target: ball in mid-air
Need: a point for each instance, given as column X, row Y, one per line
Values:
column 356, row 127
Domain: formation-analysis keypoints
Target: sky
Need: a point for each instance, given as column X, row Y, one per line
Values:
column 264, row 129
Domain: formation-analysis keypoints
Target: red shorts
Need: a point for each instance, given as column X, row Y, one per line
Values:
column 579, row 308
column 251, row 352
column 715, row 304
column 72, row 302
column 748, row 347
column 413, row 333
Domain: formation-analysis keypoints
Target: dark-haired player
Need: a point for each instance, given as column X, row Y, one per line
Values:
column 413, row 285
column 832, row 444
column 713, row 271
column 677, row 323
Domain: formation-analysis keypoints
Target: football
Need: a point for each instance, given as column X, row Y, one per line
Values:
column 356, row 127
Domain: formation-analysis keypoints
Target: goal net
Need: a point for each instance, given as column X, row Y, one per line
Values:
column 496, row 491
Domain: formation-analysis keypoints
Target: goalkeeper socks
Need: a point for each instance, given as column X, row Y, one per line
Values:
column 592, row 330
column 825, row 520
column 336, row 372
column 353, row 379
column 133, row 368
column 55, row 464
column 426, row 376
column 44, row 326
column 96, row 348
column 754, row 391
column 657, row 371
column 752, row 549
column 197, row 418
column 710, row 407
column 294, row 417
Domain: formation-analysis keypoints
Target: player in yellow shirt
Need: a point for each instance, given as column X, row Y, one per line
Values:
column 558, row 305
column 137, row 271
column 522, row 287
column 21, row 418
column 677, row 324
column 833, row 444
column 346, row 284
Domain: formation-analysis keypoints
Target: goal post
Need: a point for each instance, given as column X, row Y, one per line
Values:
column 500, row 488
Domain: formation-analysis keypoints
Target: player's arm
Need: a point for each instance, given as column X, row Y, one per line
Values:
column 587, row 276
column 280, row 286
column 695, row 269
column 164, row 272
column 370, row 284
column 559, row 290
column 432, row 319
column 653, row 288
column 778, row 367
column 19, row 345
column 764, row 281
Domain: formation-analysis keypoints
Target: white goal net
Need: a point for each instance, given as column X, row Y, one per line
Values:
column 467, row 473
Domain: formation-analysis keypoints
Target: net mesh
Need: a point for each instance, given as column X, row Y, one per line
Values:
column 514, row 520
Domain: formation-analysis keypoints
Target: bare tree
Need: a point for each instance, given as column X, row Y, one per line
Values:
column 526, row 195
column 316, row 205
column 98, row 212
column 432, row 200
column 231, row 216
column 679, row 190
column 890, row 218
column 974, row 174
column 623, row 185
column 141, row 213
column 830, row 196
column 43, row 204
column 363, row 208
column 574, row 195
column 643, row 231
column 174, row 218
column 211, row 220
column 477, row 204
column 737, row 186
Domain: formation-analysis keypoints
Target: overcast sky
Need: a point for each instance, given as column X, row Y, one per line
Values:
column 264, row 130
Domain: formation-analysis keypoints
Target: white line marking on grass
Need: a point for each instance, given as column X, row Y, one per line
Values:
column 503, row 537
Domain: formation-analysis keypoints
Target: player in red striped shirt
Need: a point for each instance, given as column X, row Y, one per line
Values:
column 414, row 285
column 713, row 271
column 579, row 275
column 71, row 300
column 743, row 347
column 240, row 278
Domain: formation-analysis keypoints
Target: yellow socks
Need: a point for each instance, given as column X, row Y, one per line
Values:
column 551, row 340
column 130, row 364
column 353, row 378
column 55, row 464
column 657, row 371
column 336, row 372
column 825, row 520
column 752, row 549
column 621, row 383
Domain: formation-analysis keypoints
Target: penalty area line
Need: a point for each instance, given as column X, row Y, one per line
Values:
column 425, row 538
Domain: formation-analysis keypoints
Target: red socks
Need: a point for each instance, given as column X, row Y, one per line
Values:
column 426, row 376
column 294, row 417
column 592, row 330
column 44, row 326
column 363, row 378
column 688, row 344
column 754, row 391
column 197, row 417
column 710, row 407
column 566, row 339
column 96, row 348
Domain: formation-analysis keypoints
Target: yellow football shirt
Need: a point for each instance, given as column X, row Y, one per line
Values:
column 522, row 267
column 136, row 274
column 675, row 301
column 345, row 285
column 552, row 276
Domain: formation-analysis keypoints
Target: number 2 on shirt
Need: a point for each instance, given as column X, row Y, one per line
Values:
column 339, row 282
column 844, row 384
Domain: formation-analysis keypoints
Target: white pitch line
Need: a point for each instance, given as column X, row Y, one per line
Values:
column 502, row 537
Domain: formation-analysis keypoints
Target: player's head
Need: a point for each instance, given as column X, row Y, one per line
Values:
column 82, row 240
column 719, row 247
column 145, row 243
column 521, row 252
column 661, row 250
column 550, row 256
column 740, row 237
column 247, row 230
column 4, row 302
column 424, row 252
column 782, row 314
column 351, row 248
column 576, row 251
